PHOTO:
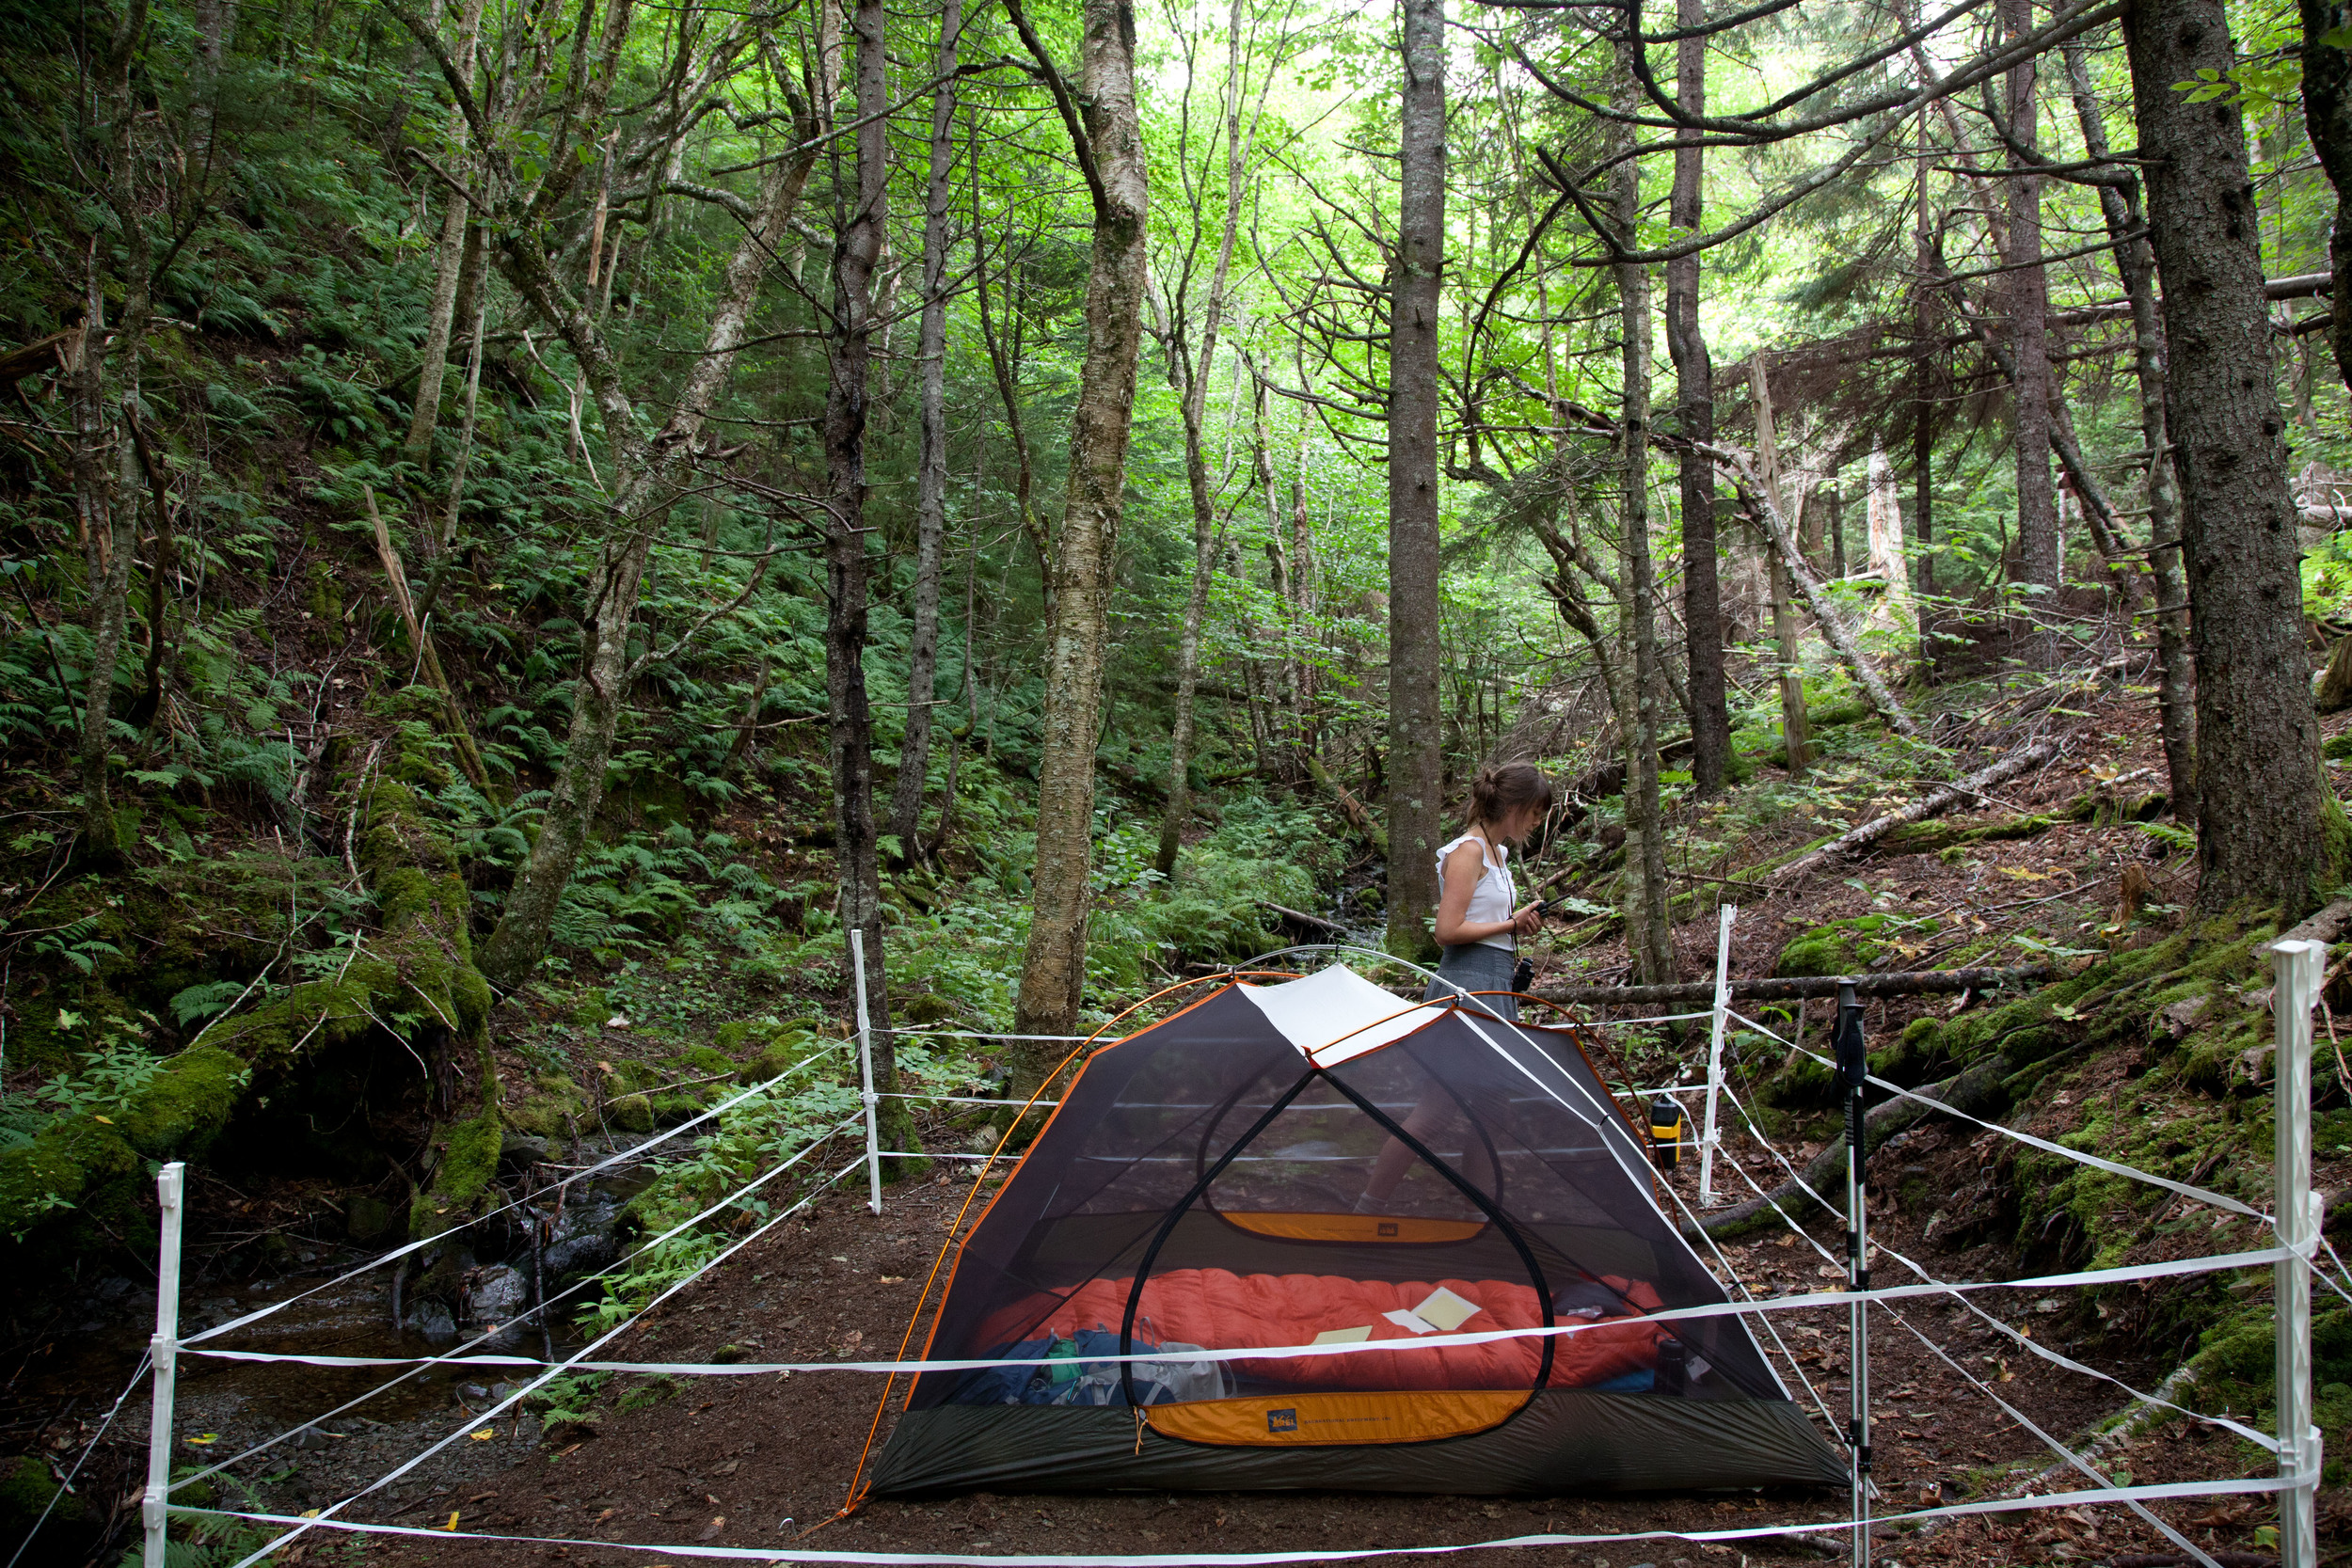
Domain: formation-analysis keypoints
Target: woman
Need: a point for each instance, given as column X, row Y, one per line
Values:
column 1477, row 923
column 1480, row 931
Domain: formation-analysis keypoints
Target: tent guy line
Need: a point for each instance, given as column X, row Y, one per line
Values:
column 2079, row 1497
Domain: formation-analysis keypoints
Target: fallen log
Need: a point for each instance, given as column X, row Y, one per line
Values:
column 1756, row 498
column 1976, row 1092
column 1299, row 917
column 1970, row 788
column 1916, row 982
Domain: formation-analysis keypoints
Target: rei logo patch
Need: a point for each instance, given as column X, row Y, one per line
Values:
column 1281, row 1421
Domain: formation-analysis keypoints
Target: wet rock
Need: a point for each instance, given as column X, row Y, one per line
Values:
column 583, row 1239
column 498, row 1295
column 520, row 1152
column 435, row 1321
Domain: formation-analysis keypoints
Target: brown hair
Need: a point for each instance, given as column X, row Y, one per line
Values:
column 1501, row 788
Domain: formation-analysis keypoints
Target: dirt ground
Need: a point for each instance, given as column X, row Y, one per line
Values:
column 755, row 1462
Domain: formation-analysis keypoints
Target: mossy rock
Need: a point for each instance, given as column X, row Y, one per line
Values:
column 630, row 1112
column 549, row 1115
column 783, row 1051
column 630, row 1075
column 703, row 1061
column 924, row 1009
column 368, row 1219
column 1845, row 946
column 590, row 1009
column 671, row 1109
column 461, row 1178
column 26, row 1488
column 2338, row 747
column 736, row 1036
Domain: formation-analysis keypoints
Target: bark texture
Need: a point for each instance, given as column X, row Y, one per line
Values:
column 2261, row 814
column 1649, row 935
column 2026, row 292
column 1694, row 411
column 1109, row 141
column 861, row 212
column 931, row 476
column 2136, row 261
column 1416, row 778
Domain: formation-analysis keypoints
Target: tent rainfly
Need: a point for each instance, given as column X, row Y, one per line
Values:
column 1316, row 1163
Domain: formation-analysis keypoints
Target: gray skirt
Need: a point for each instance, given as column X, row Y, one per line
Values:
column 1476, row 966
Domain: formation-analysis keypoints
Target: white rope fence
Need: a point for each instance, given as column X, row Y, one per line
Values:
column 2293, row 1259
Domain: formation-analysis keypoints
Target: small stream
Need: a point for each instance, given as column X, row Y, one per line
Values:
column 223, row 1407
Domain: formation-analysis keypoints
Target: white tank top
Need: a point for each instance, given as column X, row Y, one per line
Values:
column 1496, row 895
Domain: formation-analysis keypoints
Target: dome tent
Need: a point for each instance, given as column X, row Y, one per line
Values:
column 1317, row 1162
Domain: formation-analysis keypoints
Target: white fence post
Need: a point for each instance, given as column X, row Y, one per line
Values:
column 164, row 1350
column 2298, row 966
column 1715, row 1053
column 866, row 1071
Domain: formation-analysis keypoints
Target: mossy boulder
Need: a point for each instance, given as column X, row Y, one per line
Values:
column 703, row 1061
column 555, row 1108
column 630, row 1112
column 26, row 1488
column 368, row 1219
column 924, row 1009
column 1846, row 946
column 462, row 1176
column 784, row 1049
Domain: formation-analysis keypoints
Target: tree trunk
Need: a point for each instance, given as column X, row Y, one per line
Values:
column 930, row 485
column 1694, row 411
column 1835, row 523
column 1651, row 943
column 105, row 471
column 1796, row 733
column 1110, row 142
column 2260, row 807
column 646, row 482
column 2136, row 261
column 2027, row 288
column 1923, row 398
column 849, row 718
column 1416, row 769
column 449, row 265
column 2328, row 120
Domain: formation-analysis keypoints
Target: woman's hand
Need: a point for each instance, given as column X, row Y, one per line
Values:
column 1528, row 919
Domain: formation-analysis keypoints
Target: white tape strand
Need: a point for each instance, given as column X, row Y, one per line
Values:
column 459, row 1355
column 2023, row 1342
column 2112, row 1167
column 626, row 1156
column 1427, row 1341
column 326, row 1515
column 2079, row 1498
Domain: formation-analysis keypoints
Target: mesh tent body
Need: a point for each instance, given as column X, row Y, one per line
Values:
column 1317, row 1162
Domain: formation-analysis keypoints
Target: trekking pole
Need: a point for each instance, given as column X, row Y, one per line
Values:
column 2299, row 964
column 164, row 1349
column 1853, row 1066
column 866, row 1072
column 1715, row 1053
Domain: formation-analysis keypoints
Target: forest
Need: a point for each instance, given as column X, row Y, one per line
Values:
column 535, row 533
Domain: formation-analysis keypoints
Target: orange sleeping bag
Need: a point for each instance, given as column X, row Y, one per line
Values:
column 1221, row 1310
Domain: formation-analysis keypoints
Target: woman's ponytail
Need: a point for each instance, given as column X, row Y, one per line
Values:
column 1504, row 787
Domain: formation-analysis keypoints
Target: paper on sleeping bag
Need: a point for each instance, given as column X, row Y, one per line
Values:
column 1440, row 1312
